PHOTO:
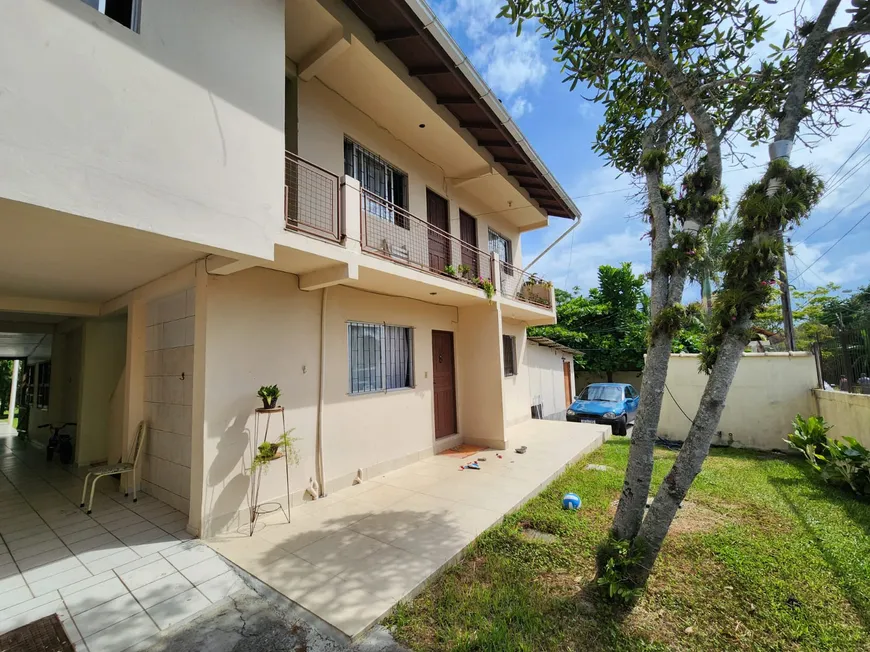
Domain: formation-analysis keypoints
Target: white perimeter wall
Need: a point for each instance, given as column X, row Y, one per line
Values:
column 848, row 413
column 176, row 130
column 767, row 392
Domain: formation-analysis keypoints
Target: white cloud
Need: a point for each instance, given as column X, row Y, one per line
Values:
column 520, row 107
column 508, row 63
column 511, row 63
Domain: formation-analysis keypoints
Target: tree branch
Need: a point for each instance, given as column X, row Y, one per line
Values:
column 855, row 28
column 807, row 59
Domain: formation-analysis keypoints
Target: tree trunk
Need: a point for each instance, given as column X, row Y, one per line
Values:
column 609, row 376
column 692, row 455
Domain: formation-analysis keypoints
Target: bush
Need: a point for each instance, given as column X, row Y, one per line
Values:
column 839, row 461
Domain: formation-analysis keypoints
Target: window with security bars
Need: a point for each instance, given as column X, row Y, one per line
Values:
column 43, row 385
column 380, row 357
column 379, row 178
column 510, row 354
column 500, row 245
column 125, row 12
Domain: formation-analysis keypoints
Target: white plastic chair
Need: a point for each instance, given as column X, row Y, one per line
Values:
column 128, row 466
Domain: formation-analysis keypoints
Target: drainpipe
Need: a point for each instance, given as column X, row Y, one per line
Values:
column 554, row 243
column 318, row 459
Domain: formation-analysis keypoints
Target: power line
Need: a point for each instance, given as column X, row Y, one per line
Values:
column 849, row 158
column 839, row 240
column 835, row 216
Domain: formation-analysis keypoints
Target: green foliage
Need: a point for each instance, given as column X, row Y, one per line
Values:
column 843, row 461
column 617, row 560
column 485, row 285
column 464, row 271
column 450, row 270
column 850, row 311
column 809, row 437
column 609, row 325
column 268, row 451
column 753, row 258
column 810, row 312
column 268, row 392
column 654, row 160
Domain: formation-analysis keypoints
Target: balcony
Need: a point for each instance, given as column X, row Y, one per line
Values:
column 311, row 199
column 520, row 286
column 391, row 232
column 336, row 210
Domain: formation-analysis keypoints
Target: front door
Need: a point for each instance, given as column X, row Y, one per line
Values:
column 566, row 370
column 443, row 383
column 439, row 243
column 468, row 235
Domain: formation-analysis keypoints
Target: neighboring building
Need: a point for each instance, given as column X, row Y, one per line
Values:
column 202, row 197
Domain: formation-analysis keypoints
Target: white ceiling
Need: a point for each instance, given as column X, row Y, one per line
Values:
column 46, row 254
column 34, row 346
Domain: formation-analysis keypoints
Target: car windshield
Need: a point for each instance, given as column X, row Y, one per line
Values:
column 601, row 393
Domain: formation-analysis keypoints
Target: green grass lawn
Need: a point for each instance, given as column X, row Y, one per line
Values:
column 762, row 557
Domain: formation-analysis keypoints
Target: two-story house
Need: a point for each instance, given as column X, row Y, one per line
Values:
column 199, row 198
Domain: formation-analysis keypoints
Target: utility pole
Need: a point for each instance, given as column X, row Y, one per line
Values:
column 781, row 149
column 785, row 297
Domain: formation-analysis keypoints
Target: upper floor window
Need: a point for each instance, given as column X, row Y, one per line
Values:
column 498, row 244
column 380, row 179
column 125, row 12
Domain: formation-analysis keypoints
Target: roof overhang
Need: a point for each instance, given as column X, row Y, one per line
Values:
column 411, row 31
column 546, row 341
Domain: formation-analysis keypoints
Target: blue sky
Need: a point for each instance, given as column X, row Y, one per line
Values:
column 561, row 126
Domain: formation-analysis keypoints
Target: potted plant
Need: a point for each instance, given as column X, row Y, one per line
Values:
column 487, row 287
column 268, row 451
column 450, row 270
column 269, row 394
column 464, row 271
column 536, row 290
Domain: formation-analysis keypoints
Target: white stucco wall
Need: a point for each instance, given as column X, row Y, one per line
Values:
column 547, row 379
column 168, row 399
column 176, row 130
column 324, row 120
column 516, row 389
column 767, row 392
column 848, row 413
column 104, row 344
column 262, row 330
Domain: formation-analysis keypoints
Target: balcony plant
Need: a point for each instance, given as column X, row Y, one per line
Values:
column 535, row 289
column 269, row 394
column 450, row 270
column 485, row 285
column 464, row 272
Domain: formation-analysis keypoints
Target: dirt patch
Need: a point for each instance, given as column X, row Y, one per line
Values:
column 531, row 534
column 690, row 518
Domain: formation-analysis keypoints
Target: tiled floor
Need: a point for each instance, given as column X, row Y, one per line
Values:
column 350, row 557
column 115, row 578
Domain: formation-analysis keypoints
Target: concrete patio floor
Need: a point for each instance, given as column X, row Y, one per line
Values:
column 118, row 579
column 351, row 557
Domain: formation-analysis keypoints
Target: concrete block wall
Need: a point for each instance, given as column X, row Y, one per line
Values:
column 169, row 398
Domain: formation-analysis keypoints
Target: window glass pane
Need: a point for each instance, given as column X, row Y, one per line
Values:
column 398, row 358
column 509, row 354
column 365, row 350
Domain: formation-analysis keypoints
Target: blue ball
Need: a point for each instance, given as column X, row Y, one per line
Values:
column 571, row 501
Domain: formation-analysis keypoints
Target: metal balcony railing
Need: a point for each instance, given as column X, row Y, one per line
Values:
column 311, row 199
column 517, row 284
column 393, row 233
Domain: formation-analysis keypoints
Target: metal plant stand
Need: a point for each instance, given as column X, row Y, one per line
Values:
column 256, row 507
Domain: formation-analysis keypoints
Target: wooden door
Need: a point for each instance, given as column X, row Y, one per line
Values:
column 566, row 370
column 439, row 243
column 468, row 235
column 443, row 383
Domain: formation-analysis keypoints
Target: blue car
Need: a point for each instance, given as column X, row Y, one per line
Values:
column 613, row 404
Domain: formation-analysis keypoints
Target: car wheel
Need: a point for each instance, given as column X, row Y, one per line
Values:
column 620, row 428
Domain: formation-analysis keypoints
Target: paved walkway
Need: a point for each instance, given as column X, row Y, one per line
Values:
column 116, row 578
column 350, row 557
